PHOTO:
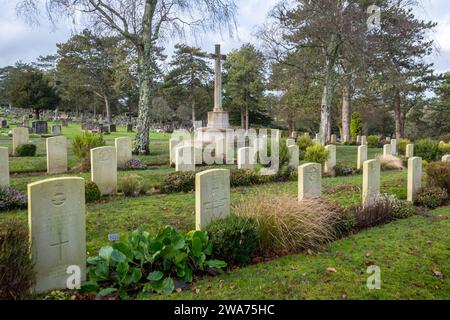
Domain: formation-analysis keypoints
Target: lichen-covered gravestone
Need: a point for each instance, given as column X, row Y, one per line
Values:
column 246, row 158
column 124, row 152
column 387, row 150
column 56, row 217
column 362, row 156
column 294, row 156
column 212, row 196
column 56, row 155
column 409, row 150
column 20, row 137
column 309, row 181
column 331, row 162
column 414, row 177
column 185, row 158
column 371, row 181
column 104, row 169
column 4, row 167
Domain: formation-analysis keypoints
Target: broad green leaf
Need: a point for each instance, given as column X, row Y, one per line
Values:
column 122, row 269
column 89, row 287
column 105, row 292
column 217, row 264
column 167, row 286
column 105, row 253
column 123, row 294
column 102, row 270
column 155, row 276
column 93, row 260
column 196, row 246
column 136, row 275
column 118, row 256
column 125, row 249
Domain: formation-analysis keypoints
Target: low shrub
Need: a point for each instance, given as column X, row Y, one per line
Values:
column 235, row 239
column 402, row 209
column 317, row 154
column 431, row 197
column 342, row 171
column 401, row 146
column 178, row 182
column 373, row 141
column 92, row 192
column 12, row 199
column 286, row 225
column 438, row 175
column 345, row 224
column 26, row 150
column 427, row 149
column 444, row 149
column 286, row 173
column 375, row 213
column 390, row 162
column 135, row 164
column 133, row 185
column 82, row 145
column 304, row 143
column 16, row 268
column 145, row 263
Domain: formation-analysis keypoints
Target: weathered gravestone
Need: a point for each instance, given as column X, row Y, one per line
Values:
column 409, row 150
column 294, row 156
column 309, row 181
column 414, row 177
column 56, row 217
column 330, row 164
column 246, row 158
column 39, row 127
column 173, row 144
column 333, row 139
column 290, row 142
column 124, row 151
column 20, row 137
column 104, row 169
column 185, row 158
column 112, row 128
column 394, row 147
column 362, row 156
column 4, row 167
column 387, row 151
column 371, row 181
column 363, row 140
column 446, row 158
column 56, row 155
column 56, row 129
column 358, row 139
column 212, row 196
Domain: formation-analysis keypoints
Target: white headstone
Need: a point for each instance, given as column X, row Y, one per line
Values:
column 309, row 181
column 124, row 152
column 331, row 162
column 358, row 139
column 371, row 181
column 173, row 144
column 290, row 142
column 294, row 156
column 212, row 196
column 409, row 150
column 56, row 217
column 56, row 155
column 20, row 137
column 362, row 156
column 414, row 177
column 246, row 158
column 394, row 147
column 446, row 158
column 104, row 169
column 4, row 167
column 363, row 140
column 185, row 158
column 333, row 139
column 387, row 150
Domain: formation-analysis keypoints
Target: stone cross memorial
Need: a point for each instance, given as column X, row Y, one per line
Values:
column 56, row 155
column 371, row 181
column 124, row 152
column 57, row 223
column 104, row 169
column 4, row 167
column 309, row 181
column 414, row 177
column 212, row 196
column 20, row 137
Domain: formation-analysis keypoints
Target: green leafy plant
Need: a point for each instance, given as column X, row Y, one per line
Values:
column 317, row 154
column 438, row 175
column 401, row 146
column 133, row 185
column 235, row 239
column 431, row 197
column 26, row 150
column 304, row 142
column 427, row 149
column 82, row 145
column 92, row 192
column 373, row 141
column 355, row 125
column 444, row 148
column 143, row 262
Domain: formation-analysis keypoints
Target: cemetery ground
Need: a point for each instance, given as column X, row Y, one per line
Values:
column 413, row 253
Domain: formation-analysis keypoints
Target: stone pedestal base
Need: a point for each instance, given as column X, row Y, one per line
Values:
column 218, row 120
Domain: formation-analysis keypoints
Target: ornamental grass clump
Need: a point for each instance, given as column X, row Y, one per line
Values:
column 390, row 162
column 286, row 225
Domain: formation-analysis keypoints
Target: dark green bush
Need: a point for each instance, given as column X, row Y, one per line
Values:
column 92, row 192
column 235, row 239
column 16, row 268
column 304, row 142
column 26, row 150
column 373, row 141
column 427, row 149
column 401, row 146
column 431, row 197
column 402, row 209
column 438, row 175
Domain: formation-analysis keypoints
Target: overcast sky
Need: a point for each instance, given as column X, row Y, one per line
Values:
column 19, row 41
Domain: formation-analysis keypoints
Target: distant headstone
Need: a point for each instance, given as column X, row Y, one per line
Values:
column 362, row 156
column 387, row 150
column 185, row 158
column 394, row 147
column 173, row 144
column 371, row 181
column 333, row 139
column 358, row 140
column 20, row 137
column 290, row 142
column 103, row 129
column 129, row 127
column 3, row 124
column 112, row 128
column 56, row 155
column 56, row 129
column 414, row 177
column 294, row 135
column 104, row 169
column 331, row 162
column 246, row 158
column 65, row 123
column 124, row 151
column 212, row 196
column 446, row 158
column 363, row 140
column 409, row 150
column 4, row 167
column 294, row 156
column 39, row 127
column 56, row 216
column 309, row 181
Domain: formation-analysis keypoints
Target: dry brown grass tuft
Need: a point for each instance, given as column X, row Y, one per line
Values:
column 286, row 225
column 390, row 162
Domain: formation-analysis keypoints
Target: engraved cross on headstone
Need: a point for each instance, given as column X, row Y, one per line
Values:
column 59, row 244
column 218, row 57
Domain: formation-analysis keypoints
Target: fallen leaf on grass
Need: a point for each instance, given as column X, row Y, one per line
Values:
column 438, row 274
column 331, row 270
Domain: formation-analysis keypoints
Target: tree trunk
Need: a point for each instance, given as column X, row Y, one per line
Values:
column 325, row 112
column 246, row 118
column 242, row 118
column 108, row 109
column 193, row 112
column 346, row 111
column 398, row 116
